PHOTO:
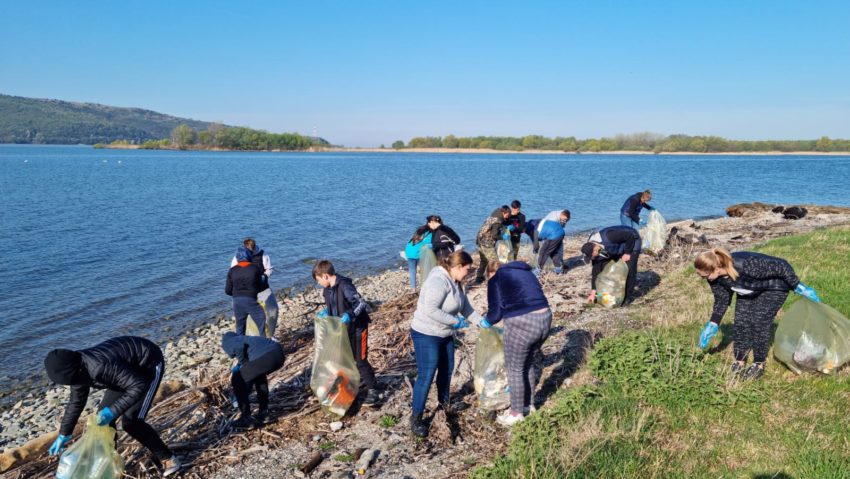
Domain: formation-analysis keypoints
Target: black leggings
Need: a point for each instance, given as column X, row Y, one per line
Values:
column 253, row 374
column 753, row 319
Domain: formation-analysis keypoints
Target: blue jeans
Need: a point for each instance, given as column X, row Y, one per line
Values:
column 434, row 355
column 242, row 307
column 411, row 268
column 626, row 221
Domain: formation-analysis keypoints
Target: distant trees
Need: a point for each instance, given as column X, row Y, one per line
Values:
column 398, row 144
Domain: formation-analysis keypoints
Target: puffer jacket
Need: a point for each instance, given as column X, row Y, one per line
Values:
column 125, row 363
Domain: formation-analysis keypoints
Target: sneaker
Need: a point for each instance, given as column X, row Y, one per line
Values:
column 528, row 410
column 417, row 426
column 244, row 422
column 262, row 416
column 508, row 418
column 372, row 397
column 737, row 367
column 171, row 465
column 755, row 371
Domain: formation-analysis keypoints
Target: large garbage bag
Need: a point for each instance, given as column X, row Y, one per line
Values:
column 335, row 379
column 93, row 456
column 812, row 337
column 527, row 254
column 611, row 284
column 489, row 375
column 268, row 302
column 427, row 262
column 503, row 250
column 653, row 236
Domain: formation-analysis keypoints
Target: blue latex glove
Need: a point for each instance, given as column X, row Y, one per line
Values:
column 707, row 333
column 105, row 416
column 485, row 324
column 511, row 228
column 558, row 270
column 506, row 236
column 642, row 222
column 461, row 323
column 235, row 369
column 807, row 291
column 345, row 319
column 536, row 272
column 58, row 445
column 323, row 313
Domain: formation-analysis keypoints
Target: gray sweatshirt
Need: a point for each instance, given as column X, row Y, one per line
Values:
column 441, row 299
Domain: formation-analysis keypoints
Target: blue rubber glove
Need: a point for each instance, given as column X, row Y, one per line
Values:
column 58, row 445
column 558, row 270
column 485, row 324
column 506, row 236
column 642, row 222
column 511, row 228
column 461, row 323
column 323, row 313
column 807, row 291
column 707, row 333
column 105, row 416
column 536, row 272
column 235, row 369
column 345, row 319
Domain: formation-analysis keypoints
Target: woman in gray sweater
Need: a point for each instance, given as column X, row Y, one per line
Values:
column 441, row 309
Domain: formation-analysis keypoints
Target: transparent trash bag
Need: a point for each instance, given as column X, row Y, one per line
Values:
column 427, row 262
column 527, row 254
column 93, row 456
column 812, row 337
column 503, row 250
column 269, row 304
column 334, row 379
column 611, row 284
column 489, row 375
column 653, row 236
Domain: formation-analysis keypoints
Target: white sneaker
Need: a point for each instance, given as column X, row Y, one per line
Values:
column 528, row 410
column 170, row 466
column 508, row 418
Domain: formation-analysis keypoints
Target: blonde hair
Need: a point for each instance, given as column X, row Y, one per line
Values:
column 717, row 258
column 493, row 266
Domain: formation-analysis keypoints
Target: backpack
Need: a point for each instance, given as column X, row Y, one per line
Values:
column 484, row 238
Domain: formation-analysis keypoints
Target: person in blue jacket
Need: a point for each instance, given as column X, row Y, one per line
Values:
column 630, row 212
column 256, row 357
column 613, row 243
column 550, row 231
column 421, row 237
column 515, row 296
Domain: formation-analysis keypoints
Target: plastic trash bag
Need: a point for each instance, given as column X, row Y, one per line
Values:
column 427, row 262
column 653, row 236
column 527, row 254
column 269, row 304
column 611, row 284
column 812, row 337
column 503, row 250
column 93, row 456
column 489, row 375
column 334, row 379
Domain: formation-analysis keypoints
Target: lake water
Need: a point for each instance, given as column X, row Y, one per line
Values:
column 98, row 243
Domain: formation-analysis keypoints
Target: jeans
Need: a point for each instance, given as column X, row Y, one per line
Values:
column 626, row 221
column 411, row 269
column 434, row 355
column 242, row 307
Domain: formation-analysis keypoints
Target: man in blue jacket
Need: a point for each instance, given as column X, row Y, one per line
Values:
column 630, row 212
column 613, row 243
column 550, row 230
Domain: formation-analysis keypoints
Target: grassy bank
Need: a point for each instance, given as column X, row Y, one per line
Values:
column 650, row 403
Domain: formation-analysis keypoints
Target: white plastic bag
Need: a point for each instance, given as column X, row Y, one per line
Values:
column 490, row 377
column 611, row 284
column 653, row 236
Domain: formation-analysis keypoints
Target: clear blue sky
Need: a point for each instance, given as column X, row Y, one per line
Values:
column 369, row 72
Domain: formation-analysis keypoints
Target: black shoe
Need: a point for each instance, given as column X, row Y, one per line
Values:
column 372, row 397
column 417, row 426
column 262, row 416
column 244, row 422
column 755, row 371
column 737, row 367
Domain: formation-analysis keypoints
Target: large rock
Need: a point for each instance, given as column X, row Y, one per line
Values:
column 748, row 209
column 794, row 212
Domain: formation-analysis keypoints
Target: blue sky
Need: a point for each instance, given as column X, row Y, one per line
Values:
column 365, row 73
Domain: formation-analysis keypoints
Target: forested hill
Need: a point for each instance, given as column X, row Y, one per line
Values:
column 32, row 120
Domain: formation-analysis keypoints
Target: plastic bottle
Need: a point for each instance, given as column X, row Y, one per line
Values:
column 365, row 460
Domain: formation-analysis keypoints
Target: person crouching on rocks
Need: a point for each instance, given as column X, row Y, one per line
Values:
column 256, row 357
column 244, row 283
column 515, row 296
column 441, row 309
column 130, row 368
column 613, row 243
column 761, row 283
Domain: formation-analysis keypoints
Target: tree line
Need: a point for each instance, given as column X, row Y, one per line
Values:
column 184, row 137
column 651, row 142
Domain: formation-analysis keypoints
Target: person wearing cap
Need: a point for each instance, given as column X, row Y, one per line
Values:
column 130, row 368
column 613, row 243
column 256, row 357
column 265, row 297
column 443, row 238
column 550, row 230
column 630, row 211
column 244, row 283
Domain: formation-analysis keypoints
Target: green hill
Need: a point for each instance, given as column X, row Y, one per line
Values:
column 32, row 120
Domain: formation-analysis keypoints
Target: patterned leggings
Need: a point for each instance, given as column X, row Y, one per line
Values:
column 524, row 336
column 753, row 319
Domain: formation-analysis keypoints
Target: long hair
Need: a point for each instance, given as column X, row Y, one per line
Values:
column 716, row 258
column 419, row 233
column 457, row 258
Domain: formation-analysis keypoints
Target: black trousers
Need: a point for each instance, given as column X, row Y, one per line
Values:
column 631, row 279
column 753, row 319
column 133, row 419
column 551, row 249
column 358, row 336
column 252, row 374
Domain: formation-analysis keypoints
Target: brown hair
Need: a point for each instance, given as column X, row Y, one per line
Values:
column 646, row 195
column 716, row 258
column 566, row 213
column 493, row 266
column 249, row 243
column 458, row 258
column 323, row 267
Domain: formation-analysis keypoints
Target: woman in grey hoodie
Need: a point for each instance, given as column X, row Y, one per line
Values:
column 441, row 309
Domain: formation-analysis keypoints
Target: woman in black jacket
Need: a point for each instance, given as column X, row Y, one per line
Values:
column 761, row 283
column 443, row 238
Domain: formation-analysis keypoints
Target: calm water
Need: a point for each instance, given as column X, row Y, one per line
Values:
column 97, row 243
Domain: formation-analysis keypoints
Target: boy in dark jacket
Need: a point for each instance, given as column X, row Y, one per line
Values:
column 613, row 243
column 516, row 226
column 130, row 368
column 343, row 301
column 256, row 357
column 244, row 283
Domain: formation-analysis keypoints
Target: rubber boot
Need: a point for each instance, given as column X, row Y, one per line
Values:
column 417, row 426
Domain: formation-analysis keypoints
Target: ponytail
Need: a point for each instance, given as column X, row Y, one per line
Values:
column 458, row 258
column 717, row 258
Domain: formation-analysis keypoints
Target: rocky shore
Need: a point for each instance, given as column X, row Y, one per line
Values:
column 195, row 359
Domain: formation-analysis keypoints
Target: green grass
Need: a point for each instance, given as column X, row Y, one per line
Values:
column 327, row 446
column 664, row 408
column 388, row 421
column 345, row 457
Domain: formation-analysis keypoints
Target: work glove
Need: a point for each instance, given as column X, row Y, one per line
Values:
column 506, row 236
column 461, row 323
column 235, row 369
column 58, row 445
column 511, row 228
column 536, row 272
column 807, row 291
column 345, row 319
column 105, row 416
column 323, row 313
column 707, row 333
column 485, row 324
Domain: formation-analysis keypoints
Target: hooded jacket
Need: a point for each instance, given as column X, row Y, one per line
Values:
column 618, row 240
column 443, row 241
column 513, row 291
column 126, row 363
column 491, row 230
column 245, row 279
column 343, row 298
column 248, row 348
